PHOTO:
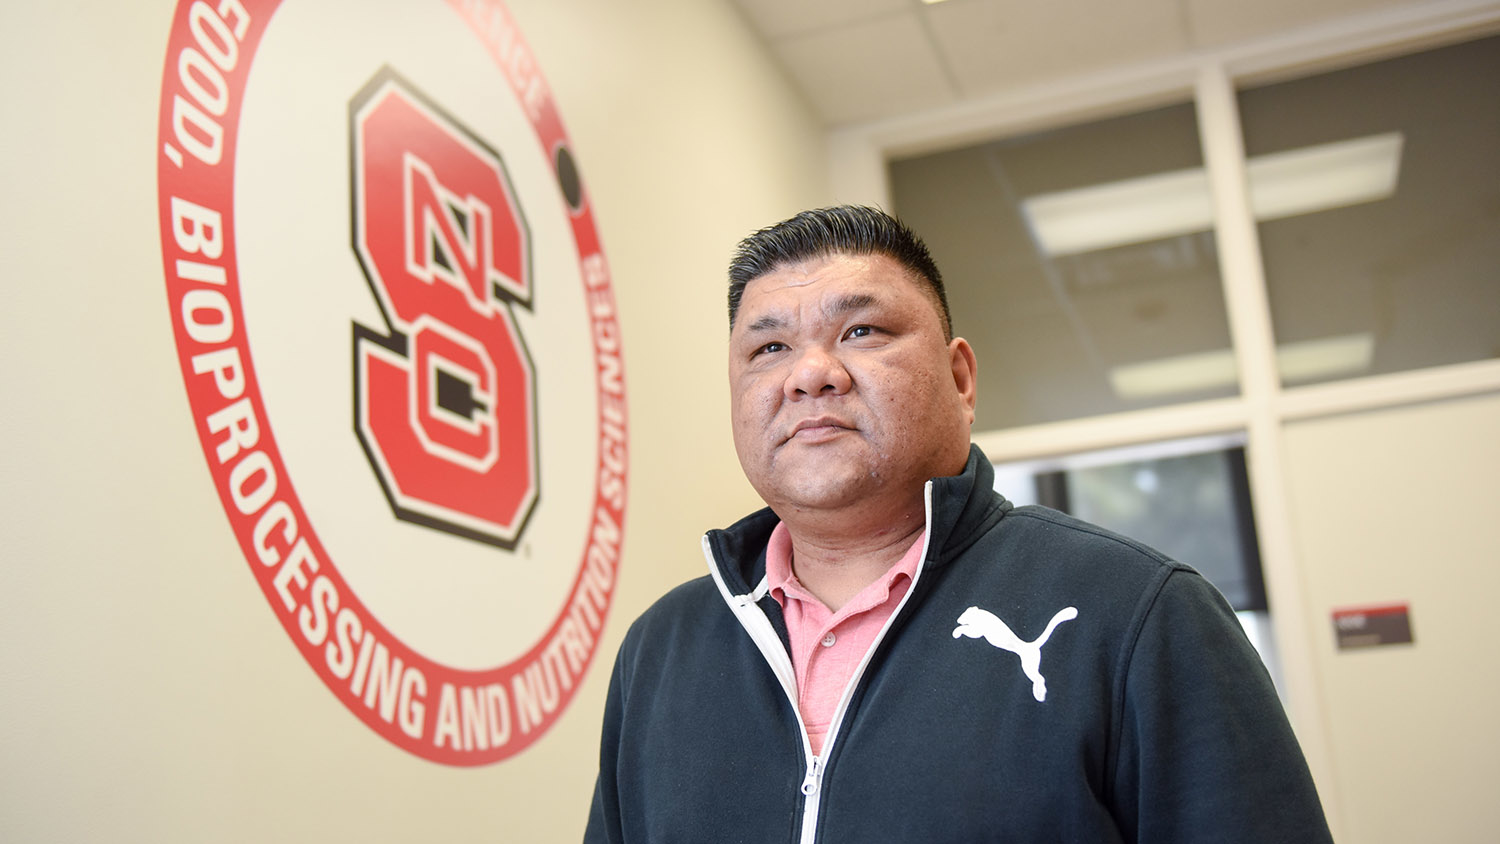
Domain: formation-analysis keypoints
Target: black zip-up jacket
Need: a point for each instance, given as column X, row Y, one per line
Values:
column 1043, row 680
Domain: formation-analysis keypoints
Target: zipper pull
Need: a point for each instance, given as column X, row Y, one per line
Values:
column 814, row 777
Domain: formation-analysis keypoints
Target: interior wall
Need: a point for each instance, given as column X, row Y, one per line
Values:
column 1393, row 506
column 149, row 693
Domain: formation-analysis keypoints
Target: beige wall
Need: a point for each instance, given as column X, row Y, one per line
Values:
column 149, row 695
column 1395, row 506
column 148, row 692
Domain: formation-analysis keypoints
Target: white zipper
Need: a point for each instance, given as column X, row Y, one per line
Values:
column 812, row 798
column 754, row 620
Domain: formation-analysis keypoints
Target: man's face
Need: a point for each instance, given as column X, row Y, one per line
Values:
column 843, row 389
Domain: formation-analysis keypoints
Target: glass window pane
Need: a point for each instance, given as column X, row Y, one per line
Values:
column 1081, row 265
column 1377, row 190
column 1193, row 507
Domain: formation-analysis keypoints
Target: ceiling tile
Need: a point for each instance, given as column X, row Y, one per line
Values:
column 868, row 70
column 996, row 44
column 780, row 18
column 1217, row 22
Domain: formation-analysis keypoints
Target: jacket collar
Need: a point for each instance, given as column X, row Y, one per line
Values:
column 964, row 507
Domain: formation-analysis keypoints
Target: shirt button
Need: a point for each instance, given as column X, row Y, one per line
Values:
column 829, row 640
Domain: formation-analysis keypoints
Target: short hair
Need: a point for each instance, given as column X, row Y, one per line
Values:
column 840, row 230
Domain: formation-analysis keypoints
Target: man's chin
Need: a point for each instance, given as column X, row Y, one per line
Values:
column 821, row 491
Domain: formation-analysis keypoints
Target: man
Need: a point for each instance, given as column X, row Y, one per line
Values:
column 890, row 651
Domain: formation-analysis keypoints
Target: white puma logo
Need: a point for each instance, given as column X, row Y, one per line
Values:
column 976, row 622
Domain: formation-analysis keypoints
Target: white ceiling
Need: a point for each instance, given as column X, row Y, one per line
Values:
column 858, row 60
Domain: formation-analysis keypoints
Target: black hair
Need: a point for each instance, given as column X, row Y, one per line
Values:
column 840, row 230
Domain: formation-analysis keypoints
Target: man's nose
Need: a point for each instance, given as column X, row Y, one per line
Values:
column 817, row 372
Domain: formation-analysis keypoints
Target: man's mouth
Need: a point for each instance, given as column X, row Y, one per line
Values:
column 819, row 427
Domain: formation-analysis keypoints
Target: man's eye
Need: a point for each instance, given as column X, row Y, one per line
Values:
column 770, row 348
column 859, row 331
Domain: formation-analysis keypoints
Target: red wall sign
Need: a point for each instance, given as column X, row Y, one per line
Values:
column 1364, row 627
column 438, row 543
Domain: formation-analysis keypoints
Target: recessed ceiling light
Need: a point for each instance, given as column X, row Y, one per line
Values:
column 1282, row 184
column 1308, row 360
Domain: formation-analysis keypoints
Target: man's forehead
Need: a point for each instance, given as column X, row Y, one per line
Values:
column 876, row 276
column 815, row 268
column 872, row 273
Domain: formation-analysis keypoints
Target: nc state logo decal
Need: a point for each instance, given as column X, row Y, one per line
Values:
column 446, row 392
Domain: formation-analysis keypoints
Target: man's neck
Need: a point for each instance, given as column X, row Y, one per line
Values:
column 835, row 566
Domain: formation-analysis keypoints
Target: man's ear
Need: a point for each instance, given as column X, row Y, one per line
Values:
column 965, row 369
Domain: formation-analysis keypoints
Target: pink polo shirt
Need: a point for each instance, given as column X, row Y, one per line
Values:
column 828, row 646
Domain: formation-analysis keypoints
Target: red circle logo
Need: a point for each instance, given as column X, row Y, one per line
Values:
column 412, row 196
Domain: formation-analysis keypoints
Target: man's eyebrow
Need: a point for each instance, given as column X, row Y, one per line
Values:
column 769, row 322
column 839, row 307
column 851, row 302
